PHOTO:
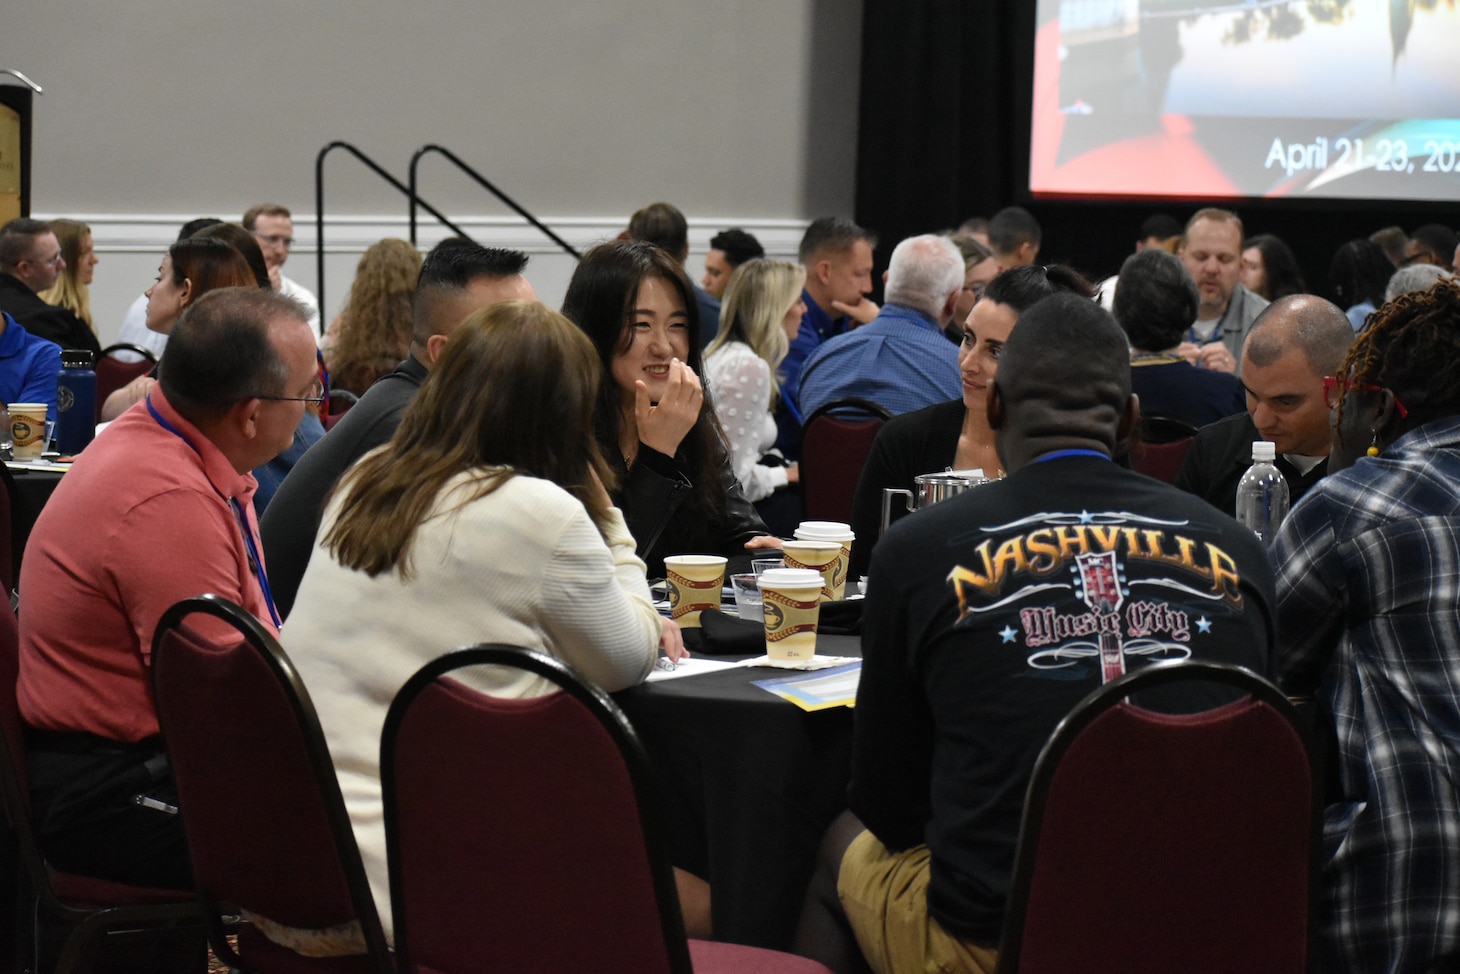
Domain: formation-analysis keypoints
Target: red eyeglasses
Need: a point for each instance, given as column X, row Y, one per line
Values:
column 1334, row 388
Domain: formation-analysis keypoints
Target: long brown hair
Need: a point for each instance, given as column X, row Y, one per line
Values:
column 375, row 325
column 512, row 393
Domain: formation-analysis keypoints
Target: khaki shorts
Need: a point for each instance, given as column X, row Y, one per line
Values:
column 885, row 896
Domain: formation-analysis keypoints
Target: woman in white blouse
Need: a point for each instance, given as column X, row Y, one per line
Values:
column 759, row 315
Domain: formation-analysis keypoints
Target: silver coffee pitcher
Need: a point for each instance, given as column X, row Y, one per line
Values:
column 931, row 488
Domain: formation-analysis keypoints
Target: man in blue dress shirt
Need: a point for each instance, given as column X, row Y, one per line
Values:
column 901, row 360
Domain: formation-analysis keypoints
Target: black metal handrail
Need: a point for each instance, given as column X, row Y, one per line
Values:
column 485, row 184
column 373, row 166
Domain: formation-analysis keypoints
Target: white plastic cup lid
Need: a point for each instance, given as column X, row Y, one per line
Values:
column 791, row 578
column 825, row 531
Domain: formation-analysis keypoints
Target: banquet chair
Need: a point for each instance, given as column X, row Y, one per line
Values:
column 340, row 402
column 266, row 825
column 1160, row 842
column 1161, row 446
column 835, row 441
column 523, row 834
column 114, row 371
column 81, row 912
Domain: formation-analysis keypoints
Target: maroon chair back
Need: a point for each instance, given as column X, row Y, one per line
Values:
column 835, row 441
column 266, row 826
column 1160, row 446
column 523, row 835
column 91, row 908
column 1160, row 843
column 113, row 372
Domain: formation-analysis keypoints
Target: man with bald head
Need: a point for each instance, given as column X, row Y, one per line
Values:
column 457, row 278
column 1293, row 344
column 970, row 661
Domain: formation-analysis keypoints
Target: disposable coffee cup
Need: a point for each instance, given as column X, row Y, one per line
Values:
column 791, row 600
column 822, row 557
column 28, row 429
column 831, row 531
column 693, row 585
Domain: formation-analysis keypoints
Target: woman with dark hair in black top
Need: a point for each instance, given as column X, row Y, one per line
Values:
column 954, row 435
column 654, row 423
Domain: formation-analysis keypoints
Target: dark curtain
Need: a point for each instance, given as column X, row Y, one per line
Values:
column 944, row 135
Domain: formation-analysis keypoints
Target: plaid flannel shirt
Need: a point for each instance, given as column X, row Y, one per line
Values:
column 1368, row 587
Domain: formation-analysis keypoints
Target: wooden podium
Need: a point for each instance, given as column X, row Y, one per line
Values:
column 15, row 127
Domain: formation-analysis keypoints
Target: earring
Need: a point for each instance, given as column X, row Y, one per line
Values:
column 1373, row 449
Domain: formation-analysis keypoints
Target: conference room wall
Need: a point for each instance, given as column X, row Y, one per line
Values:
column 742, row 112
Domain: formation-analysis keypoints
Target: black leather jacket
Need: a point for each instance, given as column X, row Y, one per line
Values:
column 652, row 494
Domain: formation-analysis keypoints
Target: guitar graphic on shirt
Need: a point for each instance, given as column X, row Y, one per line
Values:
column 1100, row 590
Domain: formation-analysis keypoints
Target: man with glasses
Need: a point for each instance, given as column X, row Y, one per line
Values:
column 30, row 262
column 1433, row 243
column 157, row 510
column 1293, row 344
column 273, row 227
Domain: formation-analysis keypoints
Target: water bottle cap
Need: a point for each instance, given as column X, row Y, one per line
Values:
column 75, row 358
column 1263, row 450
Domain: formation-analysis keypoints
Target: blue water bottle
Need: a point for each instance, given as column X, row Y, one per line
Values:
column 75, row 401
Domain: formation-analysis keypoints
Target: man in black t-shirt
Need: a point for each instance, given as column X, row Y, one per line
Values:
column 990, row 615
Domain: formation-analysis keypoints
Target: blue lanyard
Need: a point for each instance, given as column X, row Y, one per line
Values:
column 1057, row 454
column 255, row 563
column 1216, row 334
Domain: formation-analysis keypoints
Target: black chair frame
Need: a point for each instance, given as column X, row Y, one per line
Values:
column 1111, row 695
column 146, row 353
column 608, row 714
column 849, row 408
column 264, row 643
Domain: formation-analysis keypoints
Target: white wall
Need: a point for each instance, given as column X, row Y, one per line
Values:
column 741, row 112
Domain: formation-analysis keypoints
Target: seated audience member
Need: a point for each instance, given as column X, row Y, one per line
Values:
column 373, row 331
column 1368, row 621
column 676, row 485
column 1433, row 243
column 1269, row 269
column 728, row 250
column 1292, row 346
column 154, row 511
column 901, row 360
column 762, row 308
column 1357, row 276
column 28, row 367
column 1415, row 277
column 1159, row 231
column 134, row 329
column 956, row 434
column 663, row 225
column 31, row 262
column 976, row 227
column 457, row 278
column 1211, row 249
column 963, row 682
column 469, row 527
column 1391, row 240
column 1155, row 302
column 1014, row 237
column 979, row 267
column 273, row 227
column 72, row 287
column 837, row 255
column 245, row 243
column 190, row 269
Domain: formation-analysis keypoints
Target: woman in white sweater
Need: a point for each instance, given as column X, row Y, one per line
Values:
column 486, row 519
column 759, row 316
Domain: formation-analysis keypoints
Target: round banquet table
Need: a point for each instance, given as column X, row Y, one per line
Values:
column 751, row 782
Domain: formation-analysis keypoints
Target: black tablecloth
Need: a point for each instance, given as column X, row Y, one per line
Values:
column 751, row 782
column 32, row 489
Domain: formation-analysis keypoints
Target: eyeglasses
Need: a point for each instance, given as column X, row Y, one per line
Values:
column 275, row 240
column 316, row 395
column 1334, row 388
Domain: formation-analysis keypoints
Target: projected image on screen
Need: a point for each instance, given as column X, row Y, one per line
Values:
column 1357, row 99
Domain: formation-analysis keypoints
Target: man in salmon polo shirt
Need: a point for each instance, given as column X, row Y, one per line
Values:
column 157, row 509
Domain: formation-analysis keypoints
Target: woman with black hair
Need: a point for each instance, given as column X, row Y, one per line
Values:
column 954, row 435
column 677, row 489
column 1269, row 268
column 1357, row 276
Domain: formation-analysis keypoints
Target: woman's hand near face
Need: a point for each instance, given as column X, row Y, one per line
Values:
column 664, row 425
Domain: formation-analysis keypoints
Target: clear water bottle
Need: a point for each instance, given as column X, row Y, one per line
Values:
column 1262, row 493
column 75, row 401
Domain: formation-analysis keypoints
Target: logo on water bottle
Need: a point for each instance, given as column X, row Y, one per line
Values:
column 65, row 399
